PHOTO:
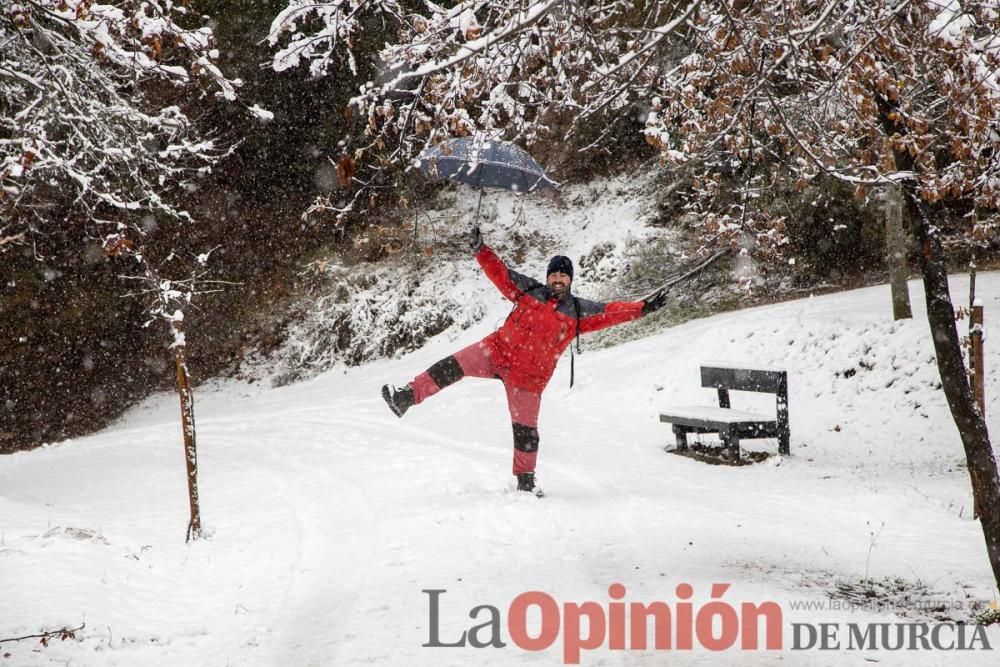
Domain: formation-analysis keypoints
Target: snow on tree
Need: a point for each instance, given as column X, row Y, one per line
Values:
column 337, row 25
column 166, row 302
column 529, row 72
column 839, row 90
column 900, row 92
column 93, row 119
column 97, row 132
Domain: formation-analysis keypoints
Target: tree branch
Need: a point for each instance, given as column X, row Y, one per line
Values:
column 63, row 633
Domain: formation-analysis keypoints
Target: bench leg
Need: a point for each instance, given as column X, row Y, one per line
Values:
column 732, row 443
column 784, row 443
column 681, row 434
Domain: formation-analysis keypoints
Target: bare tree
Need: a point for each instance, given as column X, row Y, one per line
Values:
column 167, row 301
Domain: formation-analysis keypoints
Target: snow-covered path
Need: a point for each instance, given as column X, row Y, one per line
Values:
column 328, row 518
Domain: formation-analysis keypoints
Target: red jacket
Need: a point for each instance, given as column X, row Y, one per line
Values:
column 541, row 325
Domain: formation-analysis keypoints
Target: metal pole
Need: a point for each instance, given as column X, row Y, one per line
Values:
column 479, row 205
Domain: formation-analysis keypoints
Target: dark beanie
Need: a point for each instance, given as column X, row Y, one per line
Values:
column 560, row 264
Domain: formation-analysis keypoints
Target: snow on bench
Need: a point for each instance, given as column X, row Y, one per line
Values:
column 732, row 425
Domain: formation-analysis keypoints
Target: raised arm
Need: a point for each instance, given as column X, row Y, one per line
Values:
column 595, row 316
column 510, row 283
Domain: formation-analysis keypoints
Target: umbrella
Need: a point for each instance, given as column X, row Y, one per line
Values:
column 485, row 163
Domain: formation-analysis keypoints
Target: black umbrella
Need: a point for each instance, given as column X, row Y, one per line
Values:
column 485, row 163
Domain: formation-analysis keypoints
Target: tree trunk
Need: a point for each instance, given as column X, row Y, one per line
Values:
column 187, row 425
column 895, row 241
column 955, row 381
column 948, row 348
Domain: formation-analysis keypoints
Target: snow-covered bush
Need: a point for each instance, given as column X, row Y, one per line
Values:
column 372, row 311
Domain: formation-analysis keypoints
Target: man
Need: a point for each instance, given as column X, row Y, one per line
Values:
column 523, row 353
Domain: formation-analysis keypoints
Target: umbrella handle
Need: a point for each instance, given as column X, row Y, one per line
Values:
column 479, row 184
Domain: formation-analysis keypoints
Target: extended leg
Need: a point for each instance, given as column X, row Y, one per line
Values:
column 525, row 448
column 473, row 361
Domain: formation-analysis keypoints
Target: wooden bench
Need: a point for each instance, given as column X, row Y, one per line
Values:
column 734, row 425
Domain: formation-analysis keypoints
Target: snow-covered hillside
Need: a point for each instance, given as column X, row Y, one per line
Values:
column 328, row 517
column 366, row 311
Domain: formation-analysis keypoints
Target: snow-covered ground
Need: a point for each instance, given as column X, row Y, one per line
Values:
column 328, row 517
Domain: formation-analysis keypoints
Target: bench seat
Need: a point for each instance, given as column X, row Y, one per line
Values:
column 697, row 415
column 733, row 425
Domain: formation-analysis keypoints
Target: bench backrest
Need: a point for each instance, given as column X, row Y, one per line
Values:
column 745, row 379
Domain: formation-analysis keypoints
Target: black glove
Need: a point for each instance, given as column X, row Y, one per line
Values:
column 655, row 301
column 475, row 239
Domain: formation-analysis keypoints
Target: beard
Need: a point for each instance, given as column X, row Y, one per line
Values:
column 559, row 288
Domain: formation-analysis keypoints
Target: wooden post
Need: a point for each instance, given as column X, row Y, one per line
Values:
column 895, row 241
column 187, row 424
column 977, row 369
column 781, row 416
column 972, row 285
column 977, row 374
column 723, row 397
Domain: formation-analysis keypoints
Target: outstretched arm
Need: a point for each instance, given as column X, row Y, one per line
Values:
column 510, row 283
column 595, row 316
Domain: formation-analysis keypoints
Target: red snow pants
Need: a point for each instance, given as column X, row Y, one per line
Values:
column 476, row 361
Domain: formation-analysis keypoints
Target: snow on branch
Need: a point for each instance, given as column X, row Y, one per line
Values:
column 72, row 74
column 775, row 95
column 338, row 23
column 141, row 36
column 515, row 24
column 659, row 34
column 524, row 71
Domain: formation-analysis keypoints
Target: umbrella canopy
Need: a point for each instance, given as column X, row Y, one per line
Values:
column 485, row 163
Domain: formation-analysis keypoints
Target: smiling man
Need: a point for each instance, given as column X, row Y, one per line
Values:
column 524, row 351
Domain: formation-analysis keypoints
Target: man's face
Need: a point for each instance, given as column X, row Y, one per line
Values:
column 559, row 283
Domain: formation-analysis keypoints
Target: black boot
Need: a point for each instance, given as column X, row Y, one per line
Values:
column 399, row 400
column 526, row 481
